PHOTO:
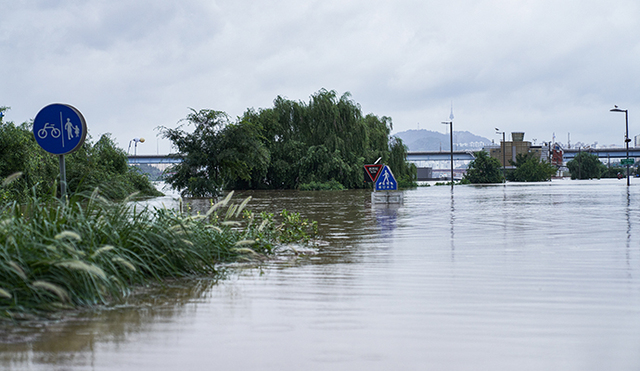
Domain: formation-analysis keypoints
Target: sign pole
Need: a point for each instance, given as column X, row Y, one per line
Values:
column 60, row 129
column 63, row 177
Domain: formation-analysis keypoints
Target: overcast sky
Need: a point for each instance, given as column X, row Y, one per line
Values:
column 538, row 66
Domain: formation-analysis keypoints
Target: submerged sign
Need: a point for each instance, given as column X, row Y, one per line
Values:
column 386, row 181
column 371, row 172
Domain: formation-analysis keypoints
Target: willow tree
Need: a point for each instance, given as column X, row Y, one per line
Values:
column 292, row 143
column 326, row 139
column 216, row 153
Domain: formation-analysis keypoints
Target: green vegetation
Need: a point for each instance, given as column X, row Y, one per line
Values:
column 406, row 183
column 284, row 147
column 586, row 166
column 152, row 172
column 530, row 169
column 216, row 152
column 462, row 181
column 484, row 169
column 102, row 164
column 88, row 250
column 617, row 171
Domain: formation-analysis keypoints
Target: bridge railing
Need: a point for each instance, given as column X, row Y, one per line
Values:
column 154, row 159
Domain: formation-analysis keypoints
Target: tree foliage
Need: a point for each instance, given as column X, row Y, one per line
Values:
column 617, row 171
column 100, row 165
column 214, row 153
column 530, row 169
column 484, row 169
column 286, row 146
column 586, row 166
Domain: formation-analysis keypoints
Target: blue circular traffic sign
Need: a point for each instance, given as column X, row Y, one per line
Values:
column 59, row 128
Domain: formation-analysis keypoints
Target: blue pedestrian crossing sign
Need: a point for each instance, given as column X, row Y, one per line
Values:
column 59, row 129
column 386, row 181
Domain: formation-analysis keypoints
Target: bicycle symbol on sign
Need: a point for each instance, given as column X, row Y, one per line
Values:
column 55, row 132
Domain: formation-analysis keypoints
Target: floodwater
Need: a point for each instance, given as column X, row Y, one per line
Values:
column 539, row 276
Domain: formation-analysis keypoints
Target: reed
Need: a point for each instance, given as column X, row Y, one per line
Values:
column 87, row 250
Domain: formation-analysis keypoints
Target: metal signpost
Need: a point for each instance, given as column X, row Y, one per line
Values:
column 60, row 129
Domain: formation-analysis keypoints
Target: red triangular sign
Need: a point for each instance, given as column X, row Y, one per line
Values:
column 372, row 171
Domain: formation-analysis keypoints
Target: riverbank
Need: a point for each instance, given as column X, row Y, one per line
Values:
column 89, row 250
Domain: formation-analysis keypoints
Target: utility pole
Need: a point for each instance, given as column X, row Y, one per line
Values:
column 504, row 150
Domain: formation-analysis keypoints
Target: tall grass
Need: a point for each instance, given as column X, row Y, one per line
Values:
column 88, row 250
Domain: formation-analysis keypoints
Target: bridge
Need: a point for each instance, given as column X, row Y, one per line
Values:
column 413, row 156
column 616, row 153
column 154, row 159
column 440, row 156
column 569, row 154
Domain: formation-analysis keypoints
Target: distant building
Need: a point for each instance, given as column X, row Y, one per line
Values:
column 425, row 173
column 509, row 150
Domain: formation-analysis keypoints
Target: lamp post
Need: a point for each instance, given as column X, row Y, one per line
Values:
column 626, row 136
column 450, row 123
column 503, row 149
column 135, row 148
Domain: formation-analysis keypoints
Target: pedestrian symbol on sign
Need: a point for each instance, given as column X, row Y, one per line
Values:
column 386, row 181
column 70, row 129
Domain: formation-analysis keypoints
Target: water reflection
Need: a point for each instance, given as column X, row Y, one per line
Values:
column 386, row 217
column 628, row 215
column 72, row 339
column 453, row 217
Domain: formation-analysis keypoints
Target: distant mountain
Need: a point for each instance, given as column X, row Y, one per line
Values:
column 427, row 140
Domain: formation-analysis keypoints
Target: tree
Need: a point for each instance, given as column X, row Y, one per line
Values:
column 586, row 166
column 101, row 165
column 19, row 152
column 325, row 140
column 530, row 169
column 406, row 175
column 484, row 169
column 215, row 154
column 106, row 166
column 2, row 111
column 615, row 172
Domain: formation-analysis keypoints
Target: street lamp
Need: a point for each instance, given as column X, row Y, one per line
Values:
column 504, row 149
column 626, row 137
column 135, row 148
column 450, row 123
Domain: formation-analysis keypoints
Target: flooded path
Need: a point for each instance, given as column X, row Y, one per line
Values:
column 518, row 277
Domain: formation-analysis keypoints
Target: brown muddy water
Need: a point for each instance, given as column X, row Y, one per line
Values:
column 518, row 277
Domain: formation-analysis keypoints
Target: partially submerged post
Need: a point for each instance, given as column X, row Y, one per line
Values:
column 385, row 185
column 60, row 129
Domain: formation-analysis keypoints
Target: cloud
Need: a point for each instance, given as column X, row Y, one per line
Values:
column 534, row 66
